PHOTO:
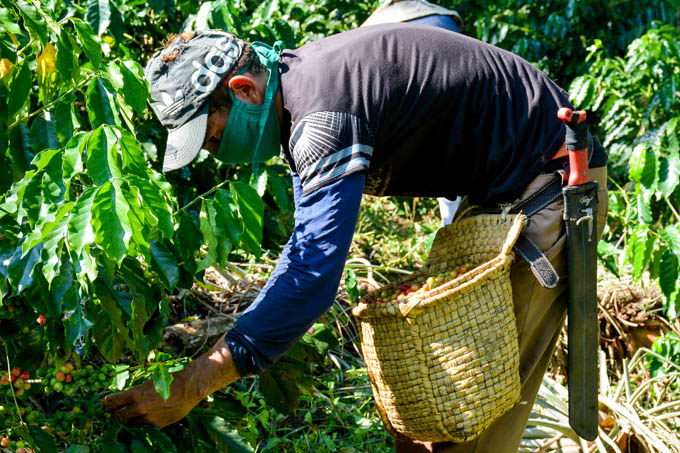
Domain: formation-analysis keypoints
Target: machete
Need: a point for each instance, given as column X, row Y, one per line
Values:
column 580, row 215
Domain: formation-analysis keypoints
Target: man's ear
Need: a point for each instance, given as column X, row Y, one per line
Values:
column 246, row 89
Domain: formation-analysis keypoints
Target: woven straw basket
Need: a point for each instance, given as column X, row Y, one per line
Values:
column 444, row 366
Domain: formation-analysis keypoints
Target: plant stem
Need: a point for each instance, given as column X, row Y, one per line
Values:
column 202, row 196
column 14, row 397
column 51, row 103
column 670, row 205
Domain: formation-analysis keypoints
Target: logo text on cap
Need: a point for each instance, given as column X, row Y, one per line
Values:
column 216, row 62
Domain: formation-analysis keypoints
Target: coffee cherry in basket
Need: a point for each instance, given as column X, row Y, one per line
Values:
column 421, row 287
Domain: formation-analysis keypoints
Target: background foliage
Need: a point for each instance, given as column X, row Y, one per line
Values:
column 95, row 239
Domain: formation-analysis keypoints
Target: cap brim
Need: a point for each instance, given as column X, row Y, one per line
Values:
column 184, row 143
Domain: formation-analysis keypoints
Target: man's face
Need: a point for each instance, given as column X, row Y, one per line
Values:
column 217, row 121
column 249, row 89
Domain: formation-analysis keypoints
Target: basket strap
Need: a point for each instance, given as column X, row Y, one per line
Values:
column 539, row 264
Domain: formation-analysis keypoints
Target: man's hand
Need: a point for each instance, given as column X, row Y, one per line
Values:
column 143, row 405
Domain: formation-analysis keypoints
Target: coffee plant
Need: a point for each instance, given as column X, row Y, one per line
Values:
column 94, row 239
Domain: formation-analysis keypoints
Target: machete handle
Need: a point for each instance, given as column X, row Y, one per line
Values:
column 578, row 158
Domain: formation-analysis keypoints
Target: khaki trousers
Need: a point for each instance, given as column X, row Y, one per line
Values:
column 539, row 313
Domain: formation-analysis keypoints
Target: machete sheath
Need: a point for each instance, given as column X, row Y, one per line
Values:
column 580, row 216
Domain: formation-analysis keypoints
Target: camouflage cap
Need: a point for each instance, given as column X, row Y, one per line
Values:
column 181, row 77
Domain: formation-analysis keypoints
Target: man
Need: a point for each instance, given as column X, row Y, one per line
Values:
column 421, row 12
column 385, row 110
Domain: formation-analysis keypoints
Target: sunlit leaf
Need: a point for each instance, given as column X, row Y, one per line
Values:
column 33, row 20
column 103, row 160
column 110, row 221
column 165, row 264
column 43, row 132
column 251, row 210
column 80, row 230
column 669, row 174
column 668, row 273
column 101, row 103
column 226, row 438
column 67, row 61
column 162, row 380
column 92, row 47
column 19, row 89
column 98, row 15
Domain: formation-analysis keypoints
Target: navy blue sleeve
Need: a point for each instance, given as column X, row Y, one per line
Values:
column 438, row 20
column 306, row 278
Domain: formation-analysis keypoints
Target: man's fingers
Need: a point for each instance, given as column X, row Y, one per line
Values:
column 115, row 400
column 129, row 413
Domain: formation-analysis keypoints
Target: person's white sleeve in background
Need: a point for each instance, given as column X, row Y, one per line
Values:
column 448, row 209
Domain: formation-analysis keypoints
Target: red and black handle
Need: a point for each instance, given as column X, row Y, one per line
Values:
column 577, row 144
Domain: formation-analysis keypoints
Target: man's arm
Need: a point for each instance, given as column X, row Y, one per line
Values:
column 142, row 404
column 302, row 288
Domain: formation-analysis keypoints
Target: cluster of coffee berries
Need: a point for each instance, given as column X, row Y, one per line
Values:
column 7, row 312
column 67, row 378
column 15, row 446
column 76, row 421
column 17, row 379
column 58, row 379
column 420, row 288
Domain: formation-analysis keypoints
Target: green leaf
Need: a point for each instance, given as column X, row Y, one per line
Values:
column 65, row 120
column 101, row 103
column 33, row 20
column 43, row 441
column 278, row 190
column 165, row 264
column 157, row 210
column 188, row 238
column 19, row 89
column 637, row 250
column 9, row 22
column 321, row 338
column 162, row 380
column 78, row 449
column 20, row 270
column 76, row 325
column 227, row 215
column 67, row 58
column 98, row 15
column 224, row 437
column 53, row 237
column 637, row 162
column 669, row 174
column 251, row 209
column 93, row 48
column 107, row 338
column 140, row 230
column 135, row 89
column 668, row 273
column 80, row 230
column 43, row 132
column 20, row 148
column 72, row 158
column 103, row 160
column 7, row 49
column 671, row 236
column 159, row 440
column 280, row 391
column 214, row 236
column 134, row 162
column 110, row 221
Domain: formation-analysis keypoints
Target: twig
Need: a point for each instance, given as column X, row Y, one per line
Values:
column 51, row 103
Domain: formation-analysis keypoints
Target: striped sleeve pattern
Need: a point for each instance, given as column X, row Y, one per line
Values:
column 326, row 146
